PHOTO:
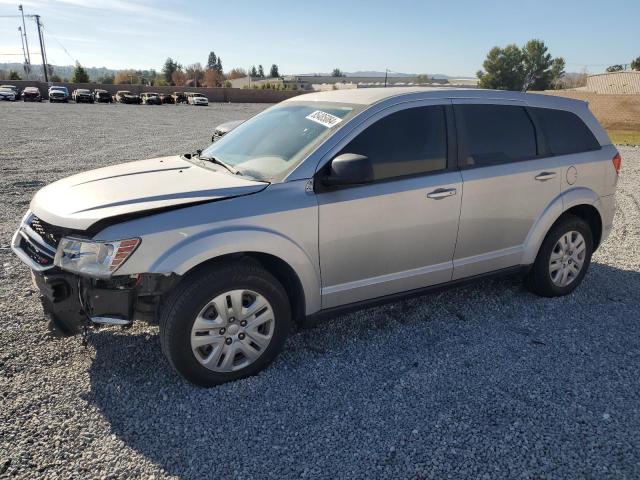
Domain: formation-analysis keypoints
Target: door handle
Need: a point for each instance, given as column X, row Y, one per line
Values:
column 544, row 176
column 441, row 193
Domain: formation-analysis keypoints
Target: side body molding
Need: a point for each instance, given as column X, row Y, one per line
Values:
column 562, row 203
column 210, row 244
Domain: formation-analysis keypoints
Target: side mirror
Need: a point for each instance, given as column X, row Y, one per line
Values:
column 349, row 169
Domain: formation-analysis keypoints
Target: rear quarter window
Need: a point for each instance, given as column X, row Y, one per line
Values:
column 495, row 134
column 564, row 131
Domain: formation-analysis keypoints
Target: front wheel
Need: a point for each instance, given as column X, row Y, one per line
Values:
column 225, row 323
column 563, row 259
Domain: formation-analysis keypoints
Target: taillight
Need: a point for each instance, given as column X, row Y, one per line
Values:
column 617, row 162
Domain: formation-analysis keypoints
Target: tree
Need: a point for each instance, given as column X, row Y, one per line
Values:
column 541, row 71
column 253, row 72
column 127, row 77
column 168, row 68
column 80, row 75
column 274, row 73
column 219, row 66
column 54, row 78
column 503, row 69
column 521, row 69
column 212, row 61
column 13, row 75
column 195, row 72
column 236, row 73
column 615, row 68
column 159, row 82
column 635, row 64
column 106, row 79
column 212, row 78
column 178, row 78
column 422, row 78
column 260, row 71
column 337, row 73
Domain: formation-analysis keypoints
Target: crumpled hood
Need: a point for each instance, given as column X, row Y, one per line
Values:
column 81, row 200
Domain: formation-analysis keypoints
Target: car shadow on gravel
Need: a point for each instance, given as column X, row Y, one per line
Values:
column 489, row 360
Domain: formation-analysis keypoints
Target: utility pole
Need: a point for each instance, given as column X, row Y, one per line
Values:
column 44, row 58
column 24, row 32
column 27, row 67
column 386, row 70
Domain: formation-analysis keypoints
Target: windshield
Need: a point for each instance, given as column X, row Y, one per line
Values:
column 273, row 143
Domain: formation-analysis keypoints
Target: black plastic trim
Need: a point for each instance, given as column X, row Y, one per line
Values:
column 326, row 314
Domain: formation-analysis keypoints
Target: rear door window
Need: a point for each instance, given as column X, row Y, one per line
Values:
column 564, row 131
column 495, row 134
column 408, row 142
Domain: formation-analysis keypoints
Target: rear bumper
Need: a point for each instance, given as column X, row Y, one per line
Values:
column 608, row 211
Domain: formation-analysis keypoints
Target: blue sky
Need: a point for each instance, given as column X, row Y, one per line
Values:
column 306, row 36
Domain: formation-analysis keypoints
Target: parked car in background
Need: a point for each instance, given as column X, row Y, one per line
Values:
column 179, row 97
column 82, row 95
column 166, row 98
column 58, row 94
column 101, row 96
column 125, row 96
column 150, row 98
column 195, row 98
column 31, row 94
column 324, row 203
column 224, row 128
column 14, row 89
column 7, row 94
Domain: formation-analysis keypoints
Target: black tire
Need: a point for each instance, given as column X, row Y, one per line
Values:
column 539, row 278
column 194, row 292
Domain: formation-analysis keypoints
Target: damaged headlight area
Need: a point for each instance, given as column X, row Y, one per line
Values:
column 99, row 259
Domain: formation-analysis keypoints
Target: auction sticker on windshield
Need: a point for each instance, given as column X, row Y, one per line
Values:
column 324, row 118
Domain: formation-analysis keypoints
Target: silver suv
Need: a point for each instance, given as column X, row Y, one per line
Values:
column 325, row 202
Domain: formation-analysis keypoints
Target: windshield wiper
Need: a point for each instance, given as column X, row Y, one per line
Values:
column 217, row 161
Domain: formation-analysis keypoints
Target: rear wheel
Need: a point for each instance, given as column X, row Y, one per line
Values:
column 563, row 259
column 225, row 323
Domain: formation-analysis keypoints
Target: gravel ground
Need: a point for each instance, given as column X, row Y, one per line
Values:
column 486, row 381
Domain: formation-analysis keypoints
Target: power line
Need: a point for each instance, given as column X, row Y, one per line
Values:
column 43, row 54
column 61, row 46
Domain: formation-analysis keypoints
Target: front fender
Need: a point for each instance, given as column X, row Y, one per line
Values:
column 562, row 203
column 194, row 250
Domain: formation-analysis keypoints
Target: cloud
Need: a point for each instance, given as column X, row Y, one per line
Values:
column 126, row 6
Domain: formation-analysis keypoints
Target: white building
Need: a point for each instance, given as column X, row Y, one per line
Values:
column 626, row 82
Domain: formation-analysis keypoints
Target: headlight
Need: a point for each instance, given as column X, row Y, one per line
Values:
column 91, row 258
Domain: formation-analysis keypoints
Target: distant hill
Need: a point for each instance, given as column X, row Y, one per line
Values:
column 376, row 74
column 63, row 71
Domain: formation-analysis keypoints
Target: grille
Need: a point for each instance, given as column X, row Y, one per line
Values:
column 48, row 232
column 35, row 254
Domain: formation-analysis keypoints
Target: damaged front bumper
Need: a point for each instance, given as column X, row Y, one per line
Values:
column 71, row 301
